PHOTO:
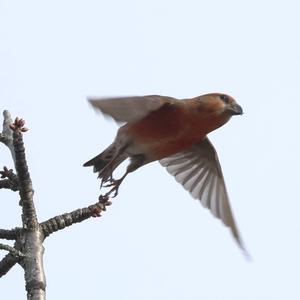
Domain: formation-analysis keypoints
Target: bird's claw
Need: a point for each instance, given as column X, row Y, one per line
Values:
column 105, row 180
column 114, row 190
column 115, row 184
column 109, row 183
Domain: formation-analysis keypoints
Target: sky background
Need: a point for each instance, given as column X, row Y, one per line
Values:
column 155, row 241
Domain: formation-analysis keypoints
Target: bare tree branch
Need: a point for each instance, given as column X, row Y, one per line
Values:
column 10, row 260
column 6, row 137
column 7, row 184
column 13, row 251
column 12, row 181
column 32, row 237
column 62, row 221
column 28, row 249
column 10, row 234
column 29, row 217
column 7, row 263
column 32, row 263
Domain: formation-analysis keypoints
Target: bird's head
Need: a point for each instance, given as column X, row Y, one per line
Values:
column 215, row 108
column 220, row 104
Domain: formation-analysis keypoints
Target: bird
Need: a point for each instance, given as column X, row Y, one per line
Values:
column 174, row 132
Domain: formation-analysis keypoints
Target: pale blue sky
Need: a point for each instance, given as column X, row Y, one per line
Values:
column 155, row 241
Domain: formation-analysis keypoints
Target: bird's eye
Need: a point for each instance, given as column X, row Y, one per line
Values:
column 224, row 98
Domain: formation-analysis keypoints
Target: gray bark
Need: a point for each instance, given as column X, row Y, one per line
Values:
column 31, row 237
column 28, row 248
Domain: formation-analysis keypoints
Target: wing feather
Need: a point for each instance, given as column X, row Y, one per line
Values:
column 129, row 109
column 199, row 171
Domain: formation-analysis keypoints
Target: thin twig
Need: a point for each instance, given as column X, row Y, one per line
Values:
column 7, row 184
column 11, row 182
column 62, row 221
column 10, row 260
column 6, row 137
column 13, row 251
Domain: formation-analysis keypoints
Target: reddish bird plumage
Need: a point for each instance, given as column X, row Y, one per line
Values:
column 175, row 133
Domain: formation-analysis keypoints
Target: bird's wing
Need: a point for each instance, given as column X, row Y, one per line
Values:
column 129, row 109
column 199, row 171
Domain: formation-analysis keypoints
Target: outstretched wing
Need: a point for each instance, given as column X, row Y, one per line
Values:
column 129, row 109
column 199, row 171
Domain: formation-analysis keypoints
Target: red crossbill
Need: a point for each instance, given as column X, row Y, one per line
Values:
column 174, row 132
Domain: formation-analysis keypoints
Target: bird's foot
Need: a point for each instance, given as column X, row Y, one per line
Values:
column 105, row 180
column 106, row 176
column 114, row 184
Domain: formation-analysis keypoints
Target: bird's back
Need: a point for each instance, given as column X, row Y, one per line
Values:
column 165, row 131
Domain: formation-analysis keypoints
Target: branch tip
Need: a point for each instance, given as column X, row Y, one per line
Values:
column 18, row 125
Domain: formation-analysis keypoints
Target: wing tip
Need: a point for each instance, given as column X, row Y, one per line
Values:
column 244, row 250
column 92, row 101
column 88, row 164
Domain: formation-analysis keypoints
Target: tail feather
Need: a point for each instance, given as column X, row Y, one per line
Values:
column 97, row 162
column 101, row 160
column 108, row 158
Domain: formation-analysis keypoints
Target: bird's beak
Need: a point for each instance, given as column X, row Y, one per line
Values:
column 235, row 109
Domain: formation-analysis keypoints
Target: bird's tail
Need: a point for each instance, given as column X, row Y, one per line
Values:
column 110, row 159
column 98, row 162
